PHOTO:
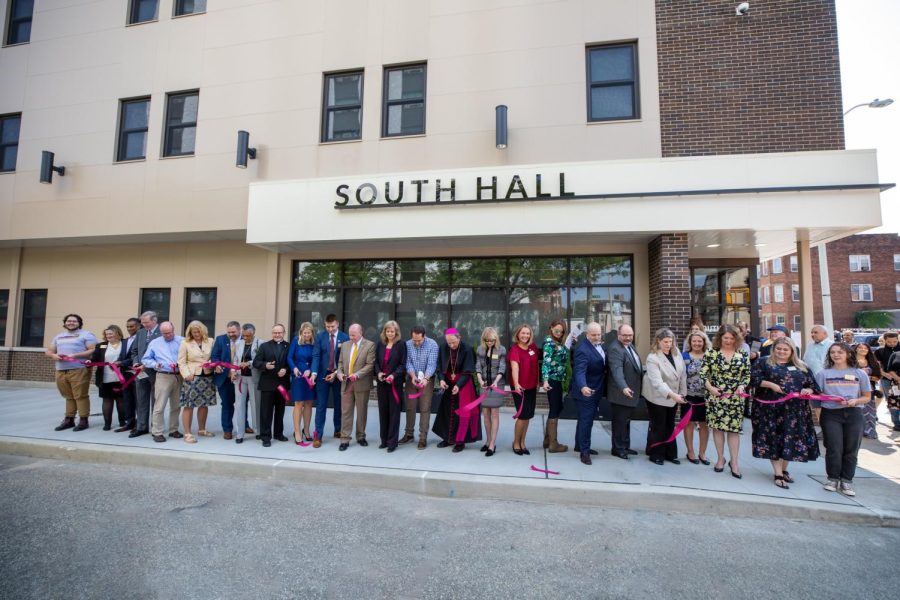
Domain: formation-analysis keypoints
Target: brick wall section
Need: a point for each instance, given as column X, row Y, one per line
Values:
column 765, row 82
column 670, row 284
column 26, row 365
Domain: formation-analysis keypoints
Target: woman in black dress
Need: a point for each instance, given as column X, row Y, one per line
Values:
column 111, row 350
column 390, row 369
column 783, row 432
column 456, row 364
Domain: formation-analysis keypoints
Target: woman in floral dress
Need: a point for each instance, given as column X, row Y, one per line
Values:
column 726, row 373
column 783, row 432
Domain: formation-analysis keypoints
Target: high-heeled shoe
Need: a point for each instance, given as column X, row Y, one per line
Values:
column 306, row 437
column 693, row 461
column 489, row 452
column 733, row 474
column 525, row 451
column 484, row 448
column 719, row 469
column 518, row 451
column 296, row 441
column 703, row 461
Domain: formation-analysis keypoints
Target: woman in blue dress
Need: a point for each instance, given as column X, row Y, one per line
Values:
column 300, row 354
column 783, row 432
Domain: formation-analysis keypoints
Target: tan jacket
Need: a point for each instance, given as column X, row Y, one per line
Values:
column 662, row 379
column 364, row 368
column 191, row 355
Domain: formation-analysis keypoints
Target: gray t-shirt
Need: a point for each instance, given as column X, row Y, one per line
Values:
column 72, row 342
column 846, row 383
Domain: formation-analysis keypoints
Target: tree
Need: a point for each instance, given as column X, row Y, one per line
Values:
column 874, row 319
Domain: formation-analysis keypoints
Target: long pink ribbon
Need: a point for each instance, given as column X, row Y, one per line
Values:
column 547, row 471
column 417, row 394
column 465, row 417
column 219, row 363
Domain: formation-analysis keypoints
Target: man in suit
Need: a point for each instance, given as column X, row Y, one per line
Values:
column 147, row 377
column 271, row 360
column 246, row 383
column 326, row 354
column 223, row 350
column 588, row 375
column 626, row 374
column 129, row 396
column 355, row 371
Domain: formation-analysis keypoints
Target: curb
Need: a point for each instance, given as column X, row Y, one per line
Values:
column 451, row 485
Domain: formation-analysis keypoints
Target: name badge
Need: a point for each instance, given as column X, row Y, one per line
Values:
column 850, row 377
column 792, row 368
column 531, row 353
column 494, row 356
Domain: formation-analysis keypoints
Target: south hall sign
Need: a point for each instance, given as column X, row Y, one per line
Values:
column 443, row 189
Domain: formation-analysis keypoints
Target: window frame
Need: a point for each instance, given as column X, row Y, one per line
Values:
column 860, row 259
column 780, row 319
column 215, row 307
column 765, row 268
column 792, row 263
column 132, row 12
column 142, row 307
column 795, row 292
column 766, row 297
column 798, row 322
column 3, row 146
column 4, row 315
column 897, row 291
column 23, row 318
column 634, row 82
column 122, row 131
column 777, row 290
column 860, row 296
column 326, row 110
column 897, row 262
column 12, row 23
column 183, row 125
column 180, row 3
column 777, row 267
column 386, row 103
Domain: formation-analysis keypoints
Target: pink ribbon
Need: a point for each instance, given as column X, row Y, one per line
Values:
column 284, row 394
column 465, row 417
column 219, row 363
column 417, row 394
column 547, row 471
column 685, row 419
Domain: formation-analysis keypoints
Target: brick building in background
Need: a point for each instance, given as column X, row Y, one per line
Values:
column 863, row 275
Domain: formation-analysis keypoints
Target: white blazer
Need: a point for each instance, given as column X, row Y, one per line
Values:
column 662, row 378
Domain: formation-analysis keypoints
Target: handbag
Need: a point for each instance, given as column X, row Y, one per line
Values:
column 893, row 397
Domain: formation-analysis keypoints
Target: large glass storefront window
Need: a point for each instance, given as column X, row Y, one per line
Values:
column 469, row 294
column 722, row 295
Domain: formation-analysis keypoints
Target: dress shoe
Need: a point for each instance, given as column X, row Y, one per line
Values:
column 733, row 474
column 249, row 430
column 459, row 447
column 123, row 428
column 586, row 458
column 406, row 439
column 82, row 424
column 382, row 446
column 518, row 452
column 343, row 447
column 107, row 427
column 674, row 461
column 693, row 461
column 630, row 452
column 525, row 451
column 592, row 451
column 422, row 445
column 363, row 443
column 137, row 433
column 703, row 461
column 176, row 434
column 392, row 448
column 267, row 444
column 159, row 438
column 484, row 448
column 280, row 438
column 623, row 455
column 238, row 440
column 656, row 461
column 227, row 435
column 443, row 444
column 317, row 443
column 489, row 452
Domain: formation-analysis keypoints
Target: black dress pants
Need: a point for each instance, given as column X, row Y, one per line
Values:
column 621, row 427
column 128, row 403
column 271, row 406
column 389, row 412
column 662, row 423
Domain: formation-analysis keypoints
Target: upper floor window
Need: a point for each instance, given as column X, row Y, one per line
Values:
column 860, row 262
column 9, row 141
column 779, row 319
column 795, row 292
column 779, row 293
column 18, row 28
column 793, row 263
column 776, row 266
column 142, row 11
column 403, row 112
column 133, row 120
column 897, row 262
column 181, row 123
column 765, row 291
column 797, row 324
column 861, row 292
column 157, row 300
column 765, row 268
column 612, row 82
column 342, row 107
column 189, row 7
column 897, row 291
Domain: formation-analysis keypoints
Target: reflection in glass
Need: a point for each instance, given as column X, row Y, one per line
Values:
column 737, row 286
column 479, row 271
column 608, row 306
column 536, row 307
column 370, row 308
column 316, row 274
column 477, row 308
column 369, row 272
column 706, row 286
column 314, row 306
column 538, row 271
column 427, row 307
column 601, row 270
column 423, row 272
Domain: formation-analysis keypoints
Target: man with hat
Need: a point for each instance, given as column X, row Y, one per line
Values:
column 775, row 332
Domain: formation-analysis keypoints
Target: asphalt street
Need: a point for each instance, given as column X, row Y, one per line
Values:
column 74, row 530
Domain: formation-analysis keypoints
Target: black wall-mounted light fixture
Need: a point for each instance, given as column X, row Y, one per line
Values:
column 501, row 129
column 47, row 167
column 244, row 151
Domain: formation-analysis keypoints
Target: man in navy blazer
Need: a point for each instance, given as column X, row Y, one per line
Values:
column 326, row 357
column 588, row 375
column 223, row 351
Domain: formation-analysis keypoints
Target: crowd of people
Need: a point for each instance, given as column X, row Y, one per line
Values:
column 713, row 383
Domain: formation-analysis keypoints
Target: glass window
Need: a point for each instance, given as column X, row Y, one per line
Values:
column 705, row 287
column 317, row 274
column 779, row 319
column 860, row 262
column 342, row 113
column 200, row 305
column 19, row 25
column 535, row 307
column 189, row 7
column 608, row 306
column 479, row 271
column 142, row 11
column 861, row 292
column 797, row 323
column 181, row 124
column 157, row 300
column 4, row 312
column 897, row 291
column 778, row 292
column 776, row 266
column 371, row 308
column 369, row 273
column 612, row 82
column 404, row 101
column 766, row 299
column 737, row 286
column 897, row 262
column 765, row 269
column 34, row 313
column 473, row 309
column 9, row 141
column 538, row 271
column 133, row 123
column 601, row 270
column 429, row 307
column 314, row 306
column 793, row 263
column 423, row 272
column 795, row 292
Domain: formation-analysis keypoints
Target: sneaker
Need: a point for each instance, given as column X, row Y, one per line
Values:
column 831, row 485
column 847, row 488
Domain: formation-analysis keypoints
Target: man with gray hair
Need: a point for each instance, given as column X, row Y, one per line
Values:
column 147, row 377
column 817, row 350
column 626, row 373
column 223, row 350
column 246, row 382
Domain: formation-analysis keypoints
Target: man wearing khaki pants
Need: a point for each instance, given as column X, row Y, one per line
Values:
column 421, row 363
column 162, row 356
column 73, row 379
column 355, row 371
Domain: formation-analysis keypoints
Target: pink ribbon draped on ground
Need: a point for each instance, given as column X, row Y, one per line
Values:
column 547, row 471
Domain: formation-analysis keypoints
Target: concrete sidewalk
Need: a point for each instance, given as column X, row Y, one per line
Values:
column 31, row 413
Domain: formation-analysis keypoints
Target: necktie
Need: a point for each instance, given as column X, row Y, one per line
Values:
column 232, row 352
column 633, row 355
column 352, row 359
column 331, row 354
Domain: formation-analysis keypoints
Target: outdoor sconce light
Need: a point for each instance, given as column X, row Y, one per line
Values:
column 244, row 151
column 501, row 129
column 47, row 167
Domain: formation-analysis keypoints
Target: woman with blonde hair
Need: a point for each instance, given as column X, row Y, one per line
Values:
column 198, row 390
column 490, row 368
column 523, row 357
column 390, row 371
column 697, row 344
column 299, row 358
column 664, row 386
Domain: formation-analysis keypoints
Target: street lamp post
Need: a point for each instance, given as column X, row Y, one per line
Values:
column 876, row 103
